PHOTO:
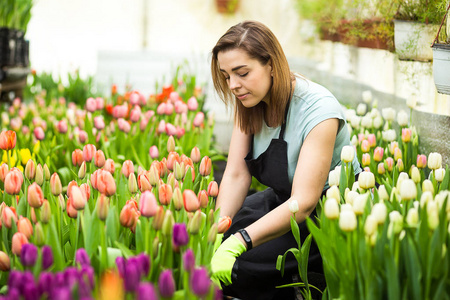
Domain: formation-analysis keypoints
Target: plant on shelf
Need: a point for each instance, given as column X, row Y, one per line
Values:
column 227, row 6
column 441, row 56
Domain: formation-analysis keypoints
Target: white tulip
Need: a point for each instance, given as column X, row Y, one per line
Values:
column 347, row 221
column 402, row 118
column 408, row 189
column 412, row 218
column 350, row 197
column 349, row 113
column 388, row 113
column 331, row 208
column 361, row 109
column 333, row 177
column 366, row 121
column 370, row 227
column 415, row 174
column 426, row 197
column 402, row 176
column 354, row 121
column 375, row 113
column 411, row 102
column 347, row 154
column 346, row 206
column 440, row 199
column 439, row 174
column 367, row 96
column 366, row 180
column 333, row 192
column 389, row 135
column 293, row 206
column 377, row 122
column 379, row 211
column 359, row 204
column 354, row 141
column 427, row 185
column 434, row 160
column 382, row 192
column 433, row 214
column 396, row 222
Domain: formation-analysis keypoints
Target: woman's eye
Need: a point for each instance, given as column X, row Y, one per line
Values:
column 243, row 75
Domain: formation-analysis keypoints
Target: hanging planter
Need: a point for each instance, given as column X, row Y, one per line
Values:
column 412, row 40
column 441, row 62
column 227, row 6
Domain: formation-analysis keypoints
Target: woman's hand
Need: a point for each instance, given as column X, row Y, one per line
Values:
column 223, row 260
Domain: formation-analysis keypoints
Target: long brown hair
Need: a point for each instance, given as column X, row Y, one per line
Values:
column 260, row 44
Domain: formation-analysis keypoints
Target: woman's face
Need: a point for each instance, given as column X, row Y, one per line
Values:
column 247, row 79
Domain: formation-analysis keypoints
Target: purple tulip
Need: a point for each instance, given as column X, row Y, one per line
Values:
column 218, row 295
column 180, row 236
column 28, row 255
column 27, row 276
column 15, row 279
column 132, row 276
column 166, row 284
column 62, row 293
column 87, row 274
column 47, row 257
column 59, row 279
column 200, row 282
column 146, row 291
column 189, row 260
column 144, row 263
column 45, row 283
column 82, row 257
column 31, row 291
column 13, row 294
column 71, row 276
column 120, row 263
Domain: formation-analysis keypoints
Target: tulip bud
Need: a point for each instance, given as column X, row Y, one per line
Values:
column 129, row 215
column 370, row 227
column 366, row 159
column 379, row 212
column 205, row 166
column 412, row 218
column 168, row 223
column 359, row 204
column 331, row 208
column 433, row 215
column 378, row 154
column 170, row 144
column 77, row 198
column 82, row 170
column 62, row 202
column 30, row 170
column 293, row 206
column 147, row 204
column 434, row 160
column 153, row 152
column 159, row 218
column 347, row 220
column 177, row 198
column 200, row 282
column 71, row 211
column 224, row 224
column 203, row 198
column 180, row 236
column 188, row 260
column 190, row 201
column 213, row 189
column 8, row 216
column 347, row 154
column 39, row 236
column 77, row 157
column 153, row 175
column 47, row 257
column 127, row 168
column 109, row 166
column 99, row 159
column 334, row 177
column 421, row 161
column 402, row 118
column 427, row 185
column 426, row 197
column 24, row 226
column 350, row 197
column 55, row 184
column 39, row 178
column 396, row 222
column 415, row 174
column 195, row 154
column 408, row 190
column 439, row 174
column 166, row 284
column 165, row 194
column 88, row 152
column 35, row 195
column 212, row 233
column 366, row 180
column 18, row 240
column 406, row 135
column 132, row 184
column 45, row 212
column 389, row 163
column 195, row 223
column 333, row 192
column 105, row 183
column 5, row 264
column 102, row 207
column 400, row 165
column 28, row 255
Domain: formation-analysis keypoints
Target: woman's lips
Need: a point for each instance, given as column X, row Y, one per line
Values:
column 242, row 97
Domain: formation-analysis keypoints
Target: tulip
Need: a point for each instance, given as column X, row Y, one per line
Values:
column 365, row 146
column 3, row 171
column 188, row 260
column 82, row 136
column 166, row 284
column 35, row 195
column 379, row 211
column 347, row 220
column 192, row 103
column 28, row 255
column 179, row 170
column 5, row 264
column 39, row 178
column 213, row 189
column 153, row 175
column 195, row 223
column 18, row 240
column 165, row 194
column 200, row 282
column 82, row 258
column 82, row 170
column 109, row 166
column 159, row 218
column 421, row 161
column 39, row 237
column 77, row 199
column 370, row 227
column 39, row 133
column 349, row 196
column 71, row 211
column 106, row 184
column 212, row 233
column 180, row 235
column 146, row 291
column 77, row 157
column 129, row 215
column 359, row 204
column 415, row 174
column 127, row 168
column 333, row 192
column 13, row 182
column 378, row 154
column 153, row 152
column 86, row 191
column 347, row 154
column 402, row 118
column 433, row 215
column 102, row 207
column 331, row 208
column 7, row 140
column 30, row 170
column 389, row 163
column 88, row 152
column 144, row 182
column 412, row 218
column 366, row 159
column 195, row 154
column 47, row 257
column 408, row 190
column 406, row 135
column 24, row 226
column 396, row 222
column 198, row 119
column 224, row 224
column 427, row 185
column 366, row 180
column 205, row 166
column 170, row 144
column 147, row 204
column 99, row 158
column 439, row 174
column 434, row 160
column 168, row 222
column 123, row 125
column 8, row 216
column 190, row 201
column 380, row 169
column 203, row 198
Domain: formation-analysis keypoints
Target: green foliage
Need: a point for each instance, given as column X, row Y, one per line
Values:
column 15, row 13
column 424, row 11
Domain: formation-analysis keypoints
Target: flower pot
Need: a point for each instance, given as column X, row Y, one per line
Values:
column 8, row 44
column 441, row 67
column 20, row 44
column 412, row 40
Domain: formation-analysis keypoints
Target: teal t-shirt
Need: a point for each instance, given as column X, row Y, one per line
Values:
column 310, row 105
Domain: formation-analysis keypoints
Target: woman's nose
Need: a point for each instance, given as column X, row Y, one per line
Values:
column 234, row 83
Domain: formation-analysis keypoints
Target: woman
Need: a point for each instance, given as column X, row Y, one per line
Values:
column 288, row 134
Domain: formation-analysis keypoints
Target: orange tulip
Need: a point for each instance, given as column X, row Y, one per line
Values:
column 224, row 224
column 94, row 178
column 109, row 166
column 165, row 194
column 9, row 216
column 3, row 172
column 77, row 199
column 190, row 201
column 129, row 215
column 13, row 182
column 7, row 140
column 71, row 211
column 99, row 159
column 106, row 184
column 24, row 226
column 143, row 182
column 171, row 159
column 18, row 240
column 187, row 160
column 77, row 157
column 205, row 166
column 203, row 198
column 35, row 195
column 127, row 168
column 88, row 152
column 55, row 184
column 213, row 189
column 195, row 154
column 69, row 187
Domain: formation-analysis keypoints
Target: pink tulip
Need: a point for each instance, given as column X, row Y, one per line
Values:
column 147, row 204
column 9, row 216
column 39, row 133
column 153, row 152
column 61, row 126
column 180, row 107
column 24, row 226
column 120, row 111
column 105, row 183
column 161, row 108
column 171, row 159
column 180, row 132
column 109, row 166
column 77, row 157
column 77, row 199
column 171, row 129
column 71, row 211
column 161, row 127
column 149, row 114
column 3, row 171
column 192, row 103
column 82, row 136
column 406, row 135
column 134, row 98
column 198, row 119
column 421, row 161
column 88, row 152
column 372, row 140
column 86, row 191
column 123, row 125
column 99, row 159
column 135, row 114
column 100, row 102
column 35, row 195
column 169, row 109
column 205, row 166
column 378, row 154
column 195, row 154
column 127, row 168
column 16, row 124
column 13, row 182
column 18, row 240
column 213, row 189
column 143, row 124
column 99, row 122
column 91, row 105
column 69, row 187
column 190, row 201
column 390, row 163
column 165, row 194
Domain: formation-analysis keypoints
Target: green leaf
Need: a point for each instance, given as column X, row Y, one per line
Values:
column 52, row 239
column 296, row 231
column 304, row 258
column 125, row 250
column 393, row 285
column 413, row 266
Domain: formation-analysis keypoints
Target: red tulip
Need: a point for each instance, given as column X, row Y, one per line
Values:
column 205, row 166
column 7, row 140
column 165, row 194
column 190, row 201
column 77, row 157
column 18, row 240
column 35, row 195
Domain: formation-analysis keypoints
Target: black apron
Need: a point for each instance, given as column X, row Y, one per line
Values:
column 254, row 275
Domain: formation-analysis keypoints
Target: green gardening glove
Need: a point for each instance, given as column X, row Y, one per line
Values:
column 218, row 242
column 223, row 260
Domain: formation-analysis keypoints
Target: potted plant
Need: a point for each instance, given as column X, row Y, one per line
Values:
column 415, row 24
column 441, row 58
column 227, row 6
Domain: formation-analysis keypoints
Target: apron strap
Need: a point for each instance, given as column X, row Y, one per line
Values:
column 283, row 126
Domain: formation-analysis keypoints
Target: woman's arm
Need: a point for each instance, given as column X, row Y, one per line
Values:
column 309, row 179
column 236, row 179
